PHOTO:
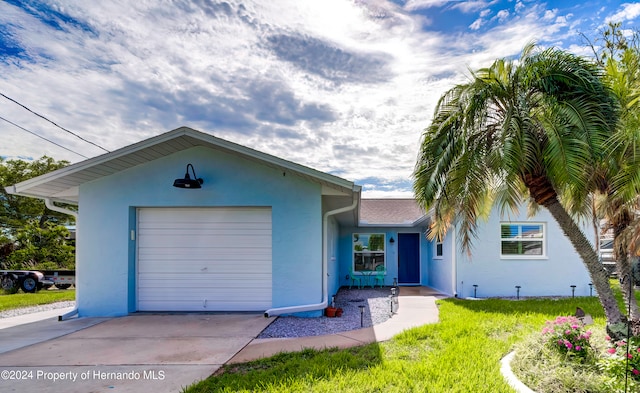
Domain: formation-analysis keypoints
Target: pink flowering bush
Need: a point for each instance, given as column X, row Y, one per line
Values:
column 618, row 362
column 567, row 334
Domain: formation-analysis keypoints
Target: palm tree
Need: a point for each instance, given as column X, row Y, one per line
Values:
column 623, row 165
column 529, row 128
column 619, row 183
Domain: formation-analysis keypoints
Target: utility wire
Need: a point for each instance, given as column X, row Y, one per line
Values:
column 60, row 127
column 41, row 137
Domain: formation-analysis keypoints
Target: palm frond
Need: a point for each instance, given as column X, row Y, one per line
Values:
column 545, row 117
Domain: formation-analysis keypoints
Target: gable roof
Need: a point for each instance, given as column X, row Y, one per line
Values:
column 63, row 184
column 391, row 212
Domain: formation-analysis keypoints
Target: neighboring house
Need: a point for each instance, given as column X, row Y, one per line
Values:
column 266, row 234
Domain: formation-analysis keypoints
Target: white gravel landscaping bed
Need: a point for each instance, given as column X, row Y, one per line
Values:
column 29, row 310
column 377, row 310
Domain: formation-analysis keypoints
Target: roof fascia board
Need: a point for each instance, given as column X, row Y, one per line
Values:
column 79, row 166
column 422, row 220
column 184, row 131
column 11, row 190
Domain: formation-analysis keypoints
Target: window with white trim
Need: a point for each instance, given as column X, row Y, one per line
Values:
column 368, row 251
column 438, row 249
column 522, row 239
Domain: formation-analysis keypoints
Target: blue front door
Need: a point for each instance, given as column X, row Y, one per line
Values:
column 409, row 258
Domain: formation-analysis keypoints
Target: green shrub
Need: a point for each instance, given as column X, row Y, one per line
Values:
column 622, row 367
column 41, row 248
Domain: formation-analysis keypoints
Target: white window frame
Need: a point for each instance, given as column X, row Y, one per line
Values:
column 519, row 237
column 356, row 240
column 437, row 243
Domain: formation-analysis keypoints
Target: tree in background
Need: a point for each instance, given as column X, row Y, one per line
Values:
column 376, row 242
column 31, row 235
column 531, row 129
column 617, row 181
column 39, row 248
column 15, row 210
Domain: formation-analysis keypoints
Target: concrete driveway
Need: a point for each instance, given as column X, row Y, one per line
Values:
column 146, row 352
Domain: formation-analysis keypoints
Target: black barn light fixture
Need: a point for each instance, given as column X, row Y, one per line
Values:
column 188, row 182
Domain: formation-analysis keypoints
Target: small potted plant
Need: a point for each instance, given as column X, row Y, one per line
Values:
column 339, row 312
column 330, row 312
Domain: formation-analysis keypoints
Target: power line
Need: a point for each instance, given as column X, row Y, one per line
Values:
column 41, row 137
column 60, row 127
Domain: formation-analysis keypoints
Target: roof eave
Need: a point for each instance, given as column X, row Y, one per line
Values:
column 328, row 181
column 54, row 198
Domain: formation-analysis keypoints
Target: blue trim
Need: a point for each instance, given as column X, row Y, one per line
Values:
column 132, row 273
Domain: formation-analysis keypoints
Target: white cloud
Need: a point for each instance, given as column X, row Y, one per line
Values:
column 279, row 79
column 463, row 6
column 341, row 86
column 470, row 6
column 549, row 15
column 476, row 24
column 503, row 15
column 629, row 11
column 413, row 5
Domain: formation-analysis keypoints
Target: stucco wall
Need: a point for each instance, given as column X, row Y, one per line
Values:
column 441, row 269
column 495, row 276
column 106, row 251
column 346, row 251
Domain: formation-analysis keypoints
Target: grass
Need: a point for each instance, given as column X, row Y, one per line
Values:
column 18, row 300
column 461, row 353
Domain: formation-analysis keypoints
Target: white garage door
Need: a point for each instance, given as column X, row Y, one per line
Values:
column 204, row 259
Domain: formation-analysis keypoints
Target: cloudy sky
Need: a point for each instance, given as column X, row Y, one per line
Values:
column 342, row 86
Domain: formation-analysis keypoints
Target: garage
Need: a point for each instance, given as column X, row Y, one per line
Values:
column 204, row 259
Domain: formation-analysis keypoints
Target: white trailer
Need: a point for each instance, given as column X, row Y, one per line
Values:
column 61, row 279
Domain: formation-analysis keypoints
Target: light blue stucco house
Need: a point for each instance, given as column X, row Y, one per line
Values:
column 265, row 234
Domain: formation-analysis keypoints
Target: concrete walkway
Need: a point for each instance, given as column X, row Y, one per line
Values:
column 417, row 307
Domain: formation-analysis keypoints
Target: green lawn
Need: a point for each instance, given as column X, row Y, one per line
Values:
column 17, row 300
column 461, row 353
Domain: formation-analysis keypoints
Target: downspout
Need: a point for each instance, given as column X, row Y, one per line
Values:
column 325, row 263
column 51, row 206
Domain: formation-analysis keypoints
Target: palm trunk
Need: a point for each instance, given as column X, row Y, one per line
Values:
column 595, row 221
column 597, row 272
column 624, row 269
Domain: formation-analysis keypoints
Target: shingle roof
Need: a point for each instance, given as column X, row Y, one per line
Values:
column 390, row 212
